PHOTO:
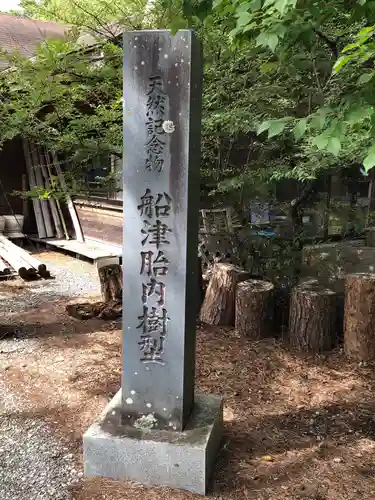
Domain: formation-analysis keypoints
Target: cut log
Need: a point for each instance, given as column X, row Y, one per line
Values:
column 19, row 265
column 359, row 317
column 254, row 309
column 111, row 282
column 30, row 262
column 312, row 318
column 219, row 302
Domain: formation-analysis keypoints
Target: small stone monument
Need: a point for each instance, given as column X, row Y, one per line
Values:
column 157, row 430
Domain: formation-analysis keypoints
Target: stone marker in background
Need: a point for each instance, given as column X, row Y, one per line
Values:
column 156, row 430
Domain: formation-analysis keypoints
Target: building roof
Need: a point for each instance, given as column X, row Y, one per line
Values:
column 21, row 34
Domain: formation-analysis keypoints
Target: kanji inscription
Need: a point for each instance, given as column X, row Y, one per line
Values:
column 154, row 266
column 154, row 319
column 160, row 206
column 155, row 106
column 162, row 102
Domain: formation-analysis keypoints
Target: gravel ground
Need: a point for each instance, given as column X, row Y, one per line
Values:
column 71, row 278
column 35, row 464
column 295, row 426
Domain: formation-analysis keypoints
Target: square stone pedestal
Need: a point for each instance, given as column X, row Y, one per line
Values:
column 182, row 460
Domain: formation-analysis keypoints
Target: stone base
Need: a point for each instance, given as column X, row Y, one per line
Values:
column 182, row 460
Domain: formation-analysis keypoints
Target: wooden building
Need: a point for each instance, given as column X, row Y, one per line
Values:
column 99, row 209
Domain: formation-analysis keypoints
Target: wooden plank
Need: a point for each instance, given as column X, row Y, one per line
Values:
column 4, row 268
column 71, row 208
column 51, row 201
column 101, row 224
column 113, row 248
column 18, row 264
column 39, row 182
column 63, row 223
column 89, row 250
column 32, row 181
column 29, row 260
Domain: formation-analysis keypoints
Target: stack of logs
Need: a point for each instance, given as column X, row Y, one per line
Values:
column 232, row 299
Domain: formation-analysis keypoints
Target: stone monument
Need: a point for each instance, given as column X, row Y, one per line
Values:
column 157, row 430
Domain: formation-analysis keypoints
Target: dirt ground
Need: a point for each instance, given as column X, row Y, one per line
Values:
column 294, row 427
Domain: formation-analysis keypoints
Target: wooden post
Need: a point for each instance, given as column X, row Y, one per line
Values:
column 40, row 183
column 254, row 309
column 219, row 302
column 312, row 318
column 51, row 201
column 111, row 282
column 359, row 317
column 32, row 182
column 58, row 206
column 69, row 201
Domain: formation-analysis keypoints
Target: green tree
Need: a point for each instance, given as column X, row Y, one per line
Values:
column 329, row 43
column 60, row 101
column 267, row 114
column 96, row 16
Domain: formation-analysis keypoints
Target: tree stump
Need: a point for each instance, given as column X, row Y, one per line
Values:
column 219, row 301
column 111, row 282
column 254, row 309
column 312, row 318
column 359, row 317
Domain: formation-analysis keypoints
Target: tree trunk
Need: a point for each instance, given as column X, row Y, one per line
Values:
column 359, row 317
column 219, row 302
column 312, row 318
column 111, row 282
column 254, row 309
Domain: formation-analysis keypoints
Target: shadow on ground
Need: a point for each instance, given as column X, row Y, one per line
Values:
column 294, row 426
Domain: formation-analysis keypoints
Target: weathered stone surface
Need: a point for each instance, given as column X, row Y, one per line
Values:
column 153, row 457
column 155, row 431
column 162, row 107
column 331, row 262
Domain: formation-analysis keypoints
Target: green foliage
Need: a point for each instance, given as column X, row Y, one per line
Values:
column 94, row 15
column 68, row 98
column 287, row 87
column 64, row 103
column 332, row 47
